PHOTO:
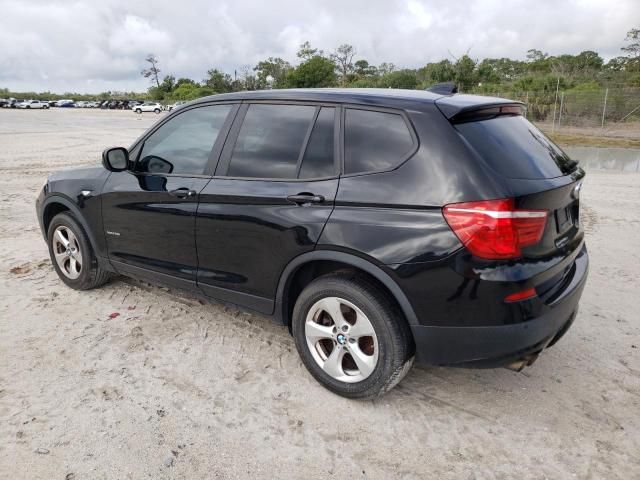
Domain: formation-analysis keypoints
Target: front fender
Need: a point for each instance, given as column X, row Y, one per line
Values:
column 87, row 211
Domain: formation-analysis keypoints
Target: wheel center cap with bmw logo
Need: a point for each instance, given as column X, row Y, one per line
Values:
column 341, row 339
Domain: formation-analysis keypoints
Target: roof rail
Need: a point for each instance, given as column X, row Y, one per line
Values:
column 446, row 88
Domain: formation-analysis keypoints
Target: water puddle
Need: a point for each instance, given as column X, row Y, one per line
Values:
column 610, row 158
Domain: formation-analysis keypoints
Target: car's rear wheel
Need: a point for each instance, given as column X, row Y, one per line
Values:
column 72, row 255
column 351, row 336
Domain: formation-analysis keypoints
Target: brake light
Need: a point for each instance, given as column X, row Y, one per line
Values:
column 494, row 229
column 512, row 109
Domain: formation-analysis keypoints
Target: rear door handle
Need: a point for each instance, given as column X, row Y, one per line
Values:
column 303, row 198
column 182, row 193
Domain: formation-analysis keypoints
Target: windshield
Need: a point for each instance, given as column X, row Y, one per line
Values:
column 515, row 148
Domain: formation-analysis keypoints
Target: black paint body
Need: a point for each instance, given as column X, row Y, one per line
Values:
column 243, row 241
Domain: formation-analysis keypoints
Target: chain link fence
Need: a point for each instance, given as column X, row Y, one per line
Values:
column 592, row 108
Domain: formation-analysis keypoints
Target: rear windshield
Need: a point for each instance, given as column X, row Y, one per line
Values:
column 513, row 147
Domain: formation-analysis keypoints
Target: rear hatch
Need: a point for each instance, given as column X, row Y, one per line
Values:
column 540, row 175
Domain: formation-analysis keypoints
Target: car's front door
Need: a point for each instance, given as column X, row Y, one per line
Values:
column 273, row 192
column 149, row 211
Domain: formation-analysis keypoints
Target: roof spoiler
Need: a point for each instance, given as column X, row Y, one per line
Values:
column 446, row 88
column 487, row 112
column 463, row 105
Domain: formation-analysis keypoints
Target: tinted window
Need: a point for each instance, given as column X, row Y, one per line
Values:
column 270, row 141
column 374, row 140
column 513, row 147
column 184, row 143
column 318, row 157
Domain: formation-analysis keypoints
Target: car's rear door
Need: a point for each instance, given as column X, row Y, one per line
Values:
column 149, row 211
column 272, row 194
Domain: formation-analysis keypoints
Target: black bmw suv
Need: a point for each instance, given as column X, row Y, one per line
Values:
column 380, row 226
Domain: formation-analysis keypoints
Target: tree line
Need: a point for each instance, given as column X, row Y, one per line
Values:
column 342, row 67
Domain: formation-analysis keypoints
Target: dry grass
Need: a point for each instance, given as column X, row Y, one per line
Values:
column 570, row 140
column 623, row 135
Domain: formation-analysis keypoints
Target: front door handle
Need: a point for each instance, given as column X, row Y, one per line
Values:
column 303, row 198
column 183, row 193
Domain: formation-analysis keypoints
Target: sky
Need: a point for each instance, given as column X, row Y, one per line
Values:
column 99, row 45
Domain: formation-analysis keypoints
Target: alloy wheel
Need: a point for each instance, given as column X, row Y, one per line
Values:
column 341, row 339
column 66, row 251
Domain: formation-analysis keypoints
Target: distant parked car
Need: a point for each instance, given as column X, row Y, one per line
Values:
column 33, row 104
column 3, row 102
column 176, row 105
column 65, row 103
column 129, row 104
column 148, row 107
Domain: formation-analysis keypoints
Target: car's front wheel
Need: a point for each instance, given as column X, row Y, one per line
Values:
column 351, row 336
column 157, row 110
column 72, row 255
column 138, row 110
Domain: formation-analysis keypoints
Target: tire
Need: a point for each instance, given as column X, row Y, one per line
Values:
column 138, row 111
column 88, row 274
column 157, row 111
column 385, row 357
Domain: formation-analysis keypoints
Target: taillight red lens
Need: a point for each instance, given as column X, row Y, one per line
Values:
column 494, row 229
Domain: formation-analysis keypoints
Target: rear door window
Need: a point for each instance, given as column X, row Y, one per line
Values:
column 374, row 140
column 515, row 148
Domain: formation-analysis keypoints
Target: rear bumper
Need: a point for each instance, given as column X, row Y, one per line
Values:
column 500, row 345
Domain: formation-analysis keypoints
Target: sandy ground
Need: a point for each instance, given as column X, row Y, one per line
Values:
column 171, row 388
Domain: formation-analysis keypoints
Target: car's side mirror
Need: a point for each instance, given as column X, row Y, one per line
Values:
column 115, row 159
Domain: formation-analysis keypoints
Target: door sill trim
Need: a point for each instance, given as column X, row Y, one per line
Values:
column 152, row 275
column 253, row 302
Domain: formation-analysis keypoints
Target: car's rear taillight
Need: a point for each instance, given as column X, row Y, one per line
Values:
column 494, row 229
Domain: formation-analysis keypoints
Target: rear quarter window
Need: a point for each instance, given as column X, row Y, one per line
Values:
column 515, row 148
column 375, row 141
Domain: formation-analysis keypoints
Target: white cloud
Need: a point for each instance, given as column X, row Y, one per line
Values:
column 415, row 18
column 98, row 45
column 136, row 36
